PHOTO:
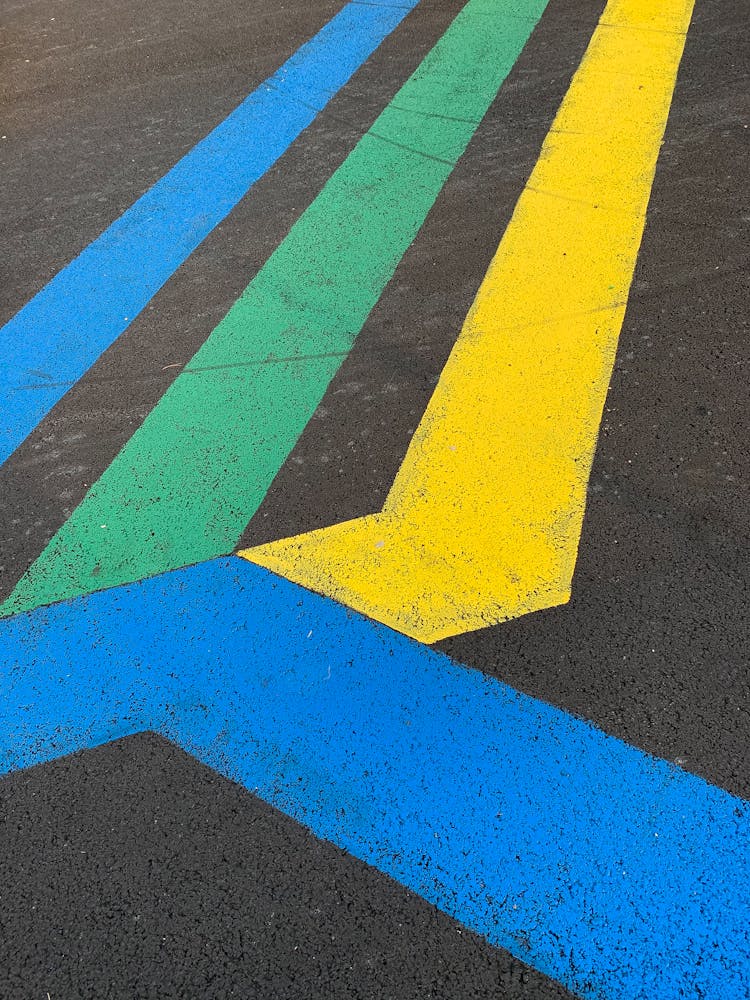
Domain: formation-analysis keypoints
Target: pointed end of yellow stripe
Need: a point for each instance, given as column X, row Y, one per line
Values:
column 377, row 566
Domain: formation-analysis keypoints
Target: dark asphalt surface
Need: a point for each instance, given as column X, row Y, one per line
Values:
column 132, row 871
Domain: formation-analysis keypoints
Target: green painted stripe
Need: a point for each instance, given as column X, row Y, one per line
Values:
column 188, row 481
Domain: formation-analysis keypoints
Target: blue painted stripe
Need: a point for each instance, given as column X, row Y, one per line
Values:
column 618, row 874
column 51, row 342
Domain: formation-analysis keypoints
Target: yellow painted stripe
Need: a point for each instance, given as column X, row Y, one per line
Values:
column 483, row 521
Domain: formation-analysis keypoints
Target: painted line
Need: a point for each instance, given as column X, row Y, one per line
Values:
column 184, row 487
column 483, row 521
column 616, row 873
column 60, row 333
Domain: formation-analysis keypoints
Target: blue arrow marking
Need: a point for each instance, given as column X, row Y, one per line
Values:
column 616, row 873
column 60, row 333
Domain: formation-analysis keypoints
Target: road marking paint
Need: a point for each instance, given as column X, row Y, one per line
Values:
column 52, row 341
column 483, row 520
column 185, row 486
column 616, row 873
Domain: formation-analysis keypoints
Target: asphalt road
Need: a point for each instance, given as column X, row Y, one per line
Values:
column 131, row 870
